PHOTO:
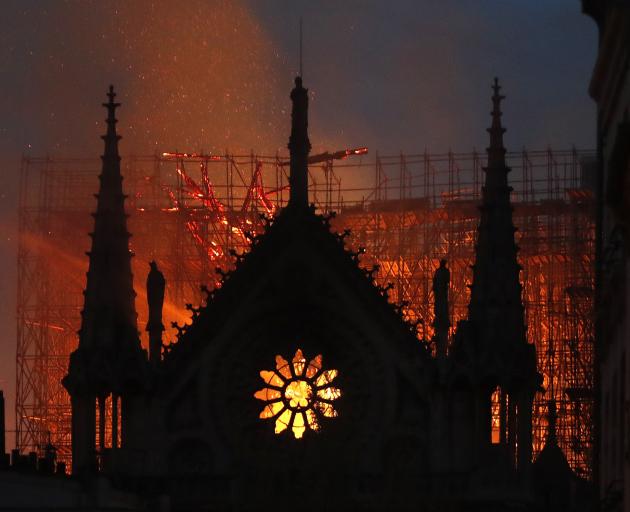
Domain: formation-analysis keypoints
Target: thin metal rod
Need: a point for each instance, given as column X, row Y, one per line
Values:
column 301, row 47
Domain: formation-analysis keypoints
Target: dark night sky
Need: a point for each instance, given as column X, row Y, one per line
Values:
column 392, row 75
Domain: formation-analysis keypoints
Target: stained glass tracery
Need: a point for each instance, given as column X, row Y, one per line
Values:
column 298, row 394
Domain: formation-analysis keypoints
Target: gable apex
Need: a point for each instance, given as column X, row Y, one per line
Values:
column 301, row 241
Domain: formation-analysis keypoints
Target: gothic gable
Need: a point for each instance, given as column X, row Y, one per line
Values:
column 299, row 288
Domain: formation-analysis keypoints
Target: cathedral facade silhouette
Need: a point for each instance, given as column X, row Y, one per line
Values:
column 298, row 385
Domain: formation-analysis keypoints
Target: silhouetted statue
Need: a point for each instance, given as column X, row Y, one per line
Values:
column 155, row 297
column 441, row 282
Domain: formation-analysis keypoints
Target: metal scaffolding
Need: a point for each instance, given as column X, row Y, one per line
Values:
column 192, row 212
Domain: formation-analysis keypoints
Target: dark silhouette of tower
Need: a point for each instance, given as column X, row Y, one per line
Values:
column 505, row 360
column 496, row 290
column 108, row 361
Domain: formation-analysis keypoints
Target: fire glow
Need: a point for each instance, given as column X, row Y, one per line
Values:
column 193, row 215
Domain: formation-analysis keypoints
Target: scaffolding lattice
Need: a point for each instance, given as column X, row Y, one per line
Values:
column 188, row 212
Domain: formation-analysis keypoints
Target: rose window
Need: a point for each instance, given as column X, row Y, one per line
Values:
column 298, row 394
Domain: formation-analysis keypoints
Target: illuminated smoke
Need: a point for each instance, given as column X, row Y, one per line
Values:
column 195, row 74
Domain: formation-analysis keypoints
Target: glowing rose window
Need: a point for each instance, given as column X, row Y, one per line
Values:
column 298, row 395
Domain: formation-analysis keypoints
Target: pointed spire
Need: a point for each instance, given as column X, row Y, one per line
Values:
column 111, row 138
column 496, row 318
column 496, row 189
column 299, row 146
column 109, row 358
column 497, row 310
column 496, row 151
column 109, row 309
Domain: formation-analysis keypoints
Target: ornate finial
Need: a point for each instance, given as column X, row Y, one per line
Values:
column 497, row 97
column 111, row 94
column 496, row 151
column 111, row 106
column 111, row 138
column 497, row 88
